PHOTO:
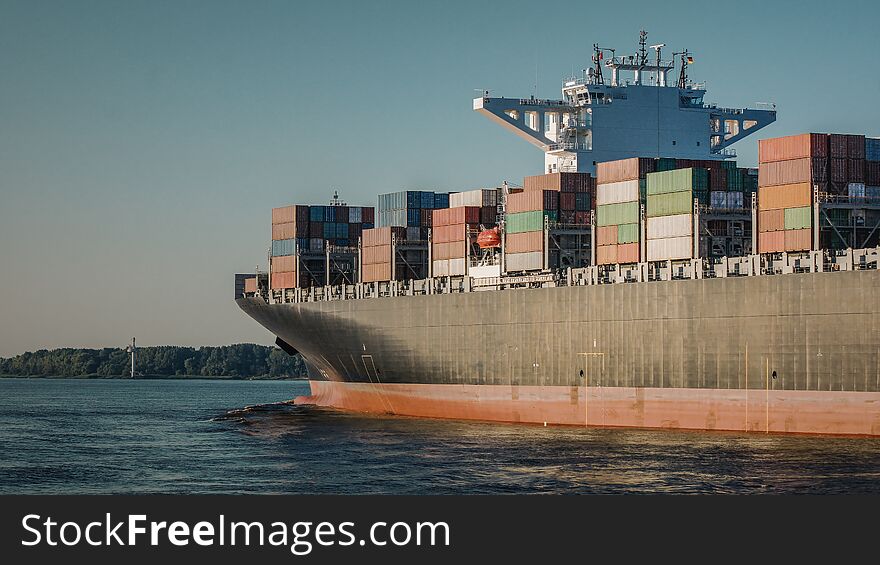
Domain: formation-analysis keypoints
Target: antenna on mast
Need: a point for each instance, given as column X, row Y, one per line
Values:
column 686, row 59
column 597, row 60
column 643, row 53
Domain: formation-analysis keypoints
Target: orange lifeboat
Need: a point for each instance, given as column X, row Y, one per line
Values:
column 489, row 238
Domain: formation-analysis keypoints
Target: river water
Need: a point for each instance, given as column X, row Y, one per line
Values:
column 214, row 436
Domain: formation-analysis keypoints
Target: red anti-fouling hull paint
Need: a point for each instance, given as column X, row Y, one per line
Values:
column 756, row 410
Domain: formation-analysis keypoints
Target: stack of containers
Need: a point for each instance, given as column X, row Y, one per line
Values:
column 732, row 197
column 617, row 209
column 337, row 225
column 450, row 239
column 575, row 190
column 410, row 209
column 669, row 212
column 524, row 228
column 485, row 198
column 788, row 168
column 290, row 230
column 376, row 252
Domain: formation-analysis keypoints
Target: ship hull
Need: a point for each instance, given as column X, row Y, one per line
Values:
column 693, row 354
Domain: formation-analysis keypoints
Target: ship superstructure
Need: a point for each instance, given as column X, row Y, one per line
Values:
column 626, row 106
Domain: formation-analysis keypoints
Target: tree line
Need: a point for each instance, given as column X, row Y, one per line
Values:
column 243, row 360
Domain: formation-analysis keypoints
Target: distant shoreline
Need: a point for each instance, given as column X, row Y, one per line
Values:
column 152, row 377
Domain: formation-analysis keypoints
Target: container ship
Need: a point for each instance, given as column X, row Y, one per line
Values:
column 642, row 280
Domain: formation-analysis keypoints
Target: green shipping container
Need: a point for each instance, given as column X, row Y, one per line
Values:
column 734, row 180
column 679, row 180
column 665, row 164
column 628, row 233
column 643, row 190
column 669, row 204
column 798, row 218
column 528, row 221
column 729, row 165
column 616, row 214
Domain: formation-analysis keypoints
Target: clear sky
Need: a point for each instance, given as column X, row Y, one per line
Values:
column 142, row 144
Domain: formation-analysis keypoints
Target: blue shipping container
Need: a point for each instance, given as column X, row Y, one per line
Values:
column 872, row 148
column 342, row 231
column 316, row 213
column 441, row 200
column 413, row 217
column 427, row 201
column 329, row 230
column 283, row 247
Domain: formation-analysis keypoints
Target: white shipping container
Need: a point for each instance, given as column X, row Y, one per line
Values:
column 718, row 199
column 670, row 248
column 856, row 190
column 735, row 200
column 354, row 215
column 456, row 267
column 481, row 197
column 440, row 268
column 616, row 192
column 485, row 271
column 680, row 225
column 533, row 261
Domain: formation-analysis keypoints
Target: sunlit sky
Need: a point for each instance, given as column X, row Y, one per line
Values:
column 142, row 144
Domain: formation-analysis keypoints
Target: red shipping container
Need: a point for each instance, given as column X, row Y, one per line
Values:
column 283, row 280
column 855, row 170
column 771, row 220
column 820, row 170
column 793, row 147
column 286, row 264
column 368, row 215
column 872, row 173
column 567, row 201
column 785, row 172
column 376, row 273
column 771, row 242
column 606, row 235
column 488, row 215
column 839, row 146
column 798, row 240
column 532, row 201
column 457, row 215
column 445, row 234
column 839, row 170
column 448, row 250
column 717, row 179
column 426, row 218
column 526, row 242
column 382, row 236
column 624, row 169
column 376, row 254
column 250, row 284
column 628, row 253
column 855, row 146
column 316, row 229
column 606, row 254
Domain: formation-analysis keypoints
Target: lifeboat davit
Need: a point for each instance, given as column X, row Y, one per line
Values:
column 489, row 238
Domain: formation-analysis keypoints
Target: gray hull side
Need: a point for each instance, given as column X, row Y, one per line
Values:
column 818, row 331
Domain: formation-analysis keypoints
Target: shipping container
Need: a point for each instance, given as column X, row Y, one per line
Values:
column 354, row 215
column 449, row 250
column 531, row 201
column 628, row 253
column 445, row 234
column 582, row 200
column 440, row 267
column 787, row 172
column 839, row 146
column 382, row 236
column 441, row 200
column 793, row 147
column 855, row 171
column 669, row 204
column 283, row 247
column 458, row 215
column 376, row 254
column 481, row 197
column 785, row 196
column 368, row 215
column 855, row 146
column 290, row 214
column 488, row 215
column 624, row 169
column 376, row 273
column 679, row 180
column 524, row 242
column 735, row 200
column 283, row 264
column 290, row 230
column 872, row 148
column 282, row 281
column 627, row 233
column 771, row 242
column 672, row 248
column 528, row 221
column 872, row 173
column 582, row 218
column 623, row 213
column 560, row 182
column 607, row 235
column 316, row 230
column 427, row 202
column 606, row 254
column 718, row 199
column 771, row 220
column 798, row 240
column 798, row 218
column 250, row 284
column 839, row 170
column 617, row 192
column 524, row 261
column 679, row 225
